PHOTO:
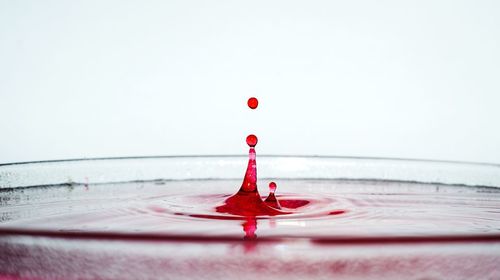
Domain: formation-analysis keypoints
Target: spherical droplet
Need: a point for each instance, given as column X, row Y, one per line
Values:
column 252, row 140
column 253, row 102
column 272, row 187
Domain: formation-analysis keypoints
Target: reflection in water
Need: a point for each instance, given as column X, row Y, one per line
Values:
column 249, row 227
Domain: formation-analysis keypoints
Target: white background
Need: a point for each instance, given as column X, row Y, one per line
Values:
column 412, row 79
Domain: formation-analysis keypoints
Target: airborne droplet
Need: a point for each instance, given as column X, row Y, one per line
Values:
column 253, row 102
column 252, row 140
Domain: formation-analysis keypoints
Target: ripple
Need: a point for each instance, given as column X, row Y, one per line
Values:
column 318, row 210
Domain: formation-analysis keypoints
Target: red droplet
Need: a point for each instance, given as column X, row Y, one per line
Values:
column 253, row 102
column 271, row 199
column 272, row 187
column 252, row 140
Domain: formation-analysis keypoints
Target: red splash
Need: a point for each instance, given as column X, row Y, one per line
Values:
column 271, row 198
column 247, row 201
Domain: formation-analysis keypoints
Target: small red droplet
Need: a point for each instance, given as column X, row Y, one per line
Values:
column 272, row 187
column 253, row 102
column 252, row 140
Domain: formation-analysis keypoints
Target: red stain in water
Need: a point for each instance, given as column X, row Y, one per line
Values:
column 337, row 212
column 294, row 203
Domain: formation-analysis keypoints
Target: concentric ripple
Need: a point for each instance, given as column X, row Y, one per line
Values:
column 321, row 210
